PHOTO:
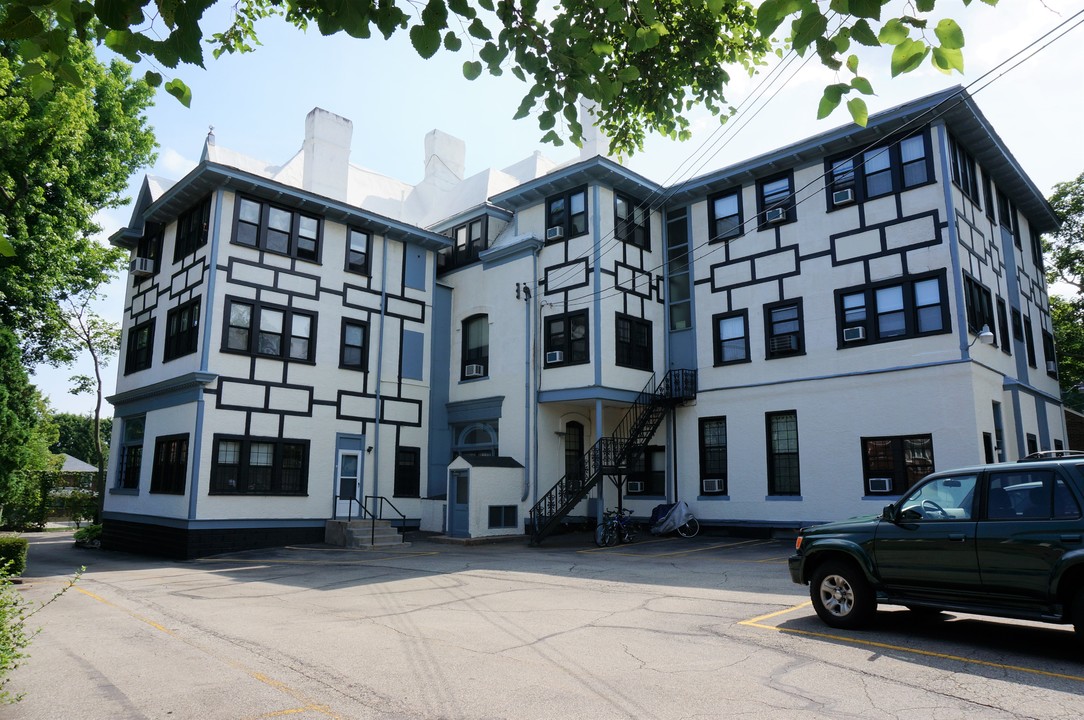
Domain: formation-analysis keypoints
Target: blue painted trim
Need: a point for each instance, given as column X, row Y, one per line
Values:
column 209, row 301
column 440, row 437
column 186, row 524
column 197, row 447
column 1044, row 424
column 596, row 192
column 176, row 391
column 514, row 249
column 413, row 349
column 712, row 498
column 954, row 245
column 587, row 393
column 123, row 491
column 593, row 170
column 380, row 364
column 783, row 498
column 414, row 267
column 475, row 410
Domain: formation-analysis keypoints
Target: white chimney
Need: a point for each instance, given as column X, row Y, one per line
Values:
column 594, row 141
column 326, row 153
column 445, row 159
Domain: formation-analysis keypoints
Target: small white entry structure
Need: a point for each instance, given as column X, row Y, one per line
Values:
column 485, row 497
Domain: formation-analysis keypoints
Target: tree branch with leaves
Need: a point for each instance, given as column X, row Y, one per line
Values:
column 643, row 64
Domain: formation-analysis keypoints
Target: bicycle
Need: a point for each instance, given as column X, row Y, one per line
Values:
column 674, row 518
column 616, row 527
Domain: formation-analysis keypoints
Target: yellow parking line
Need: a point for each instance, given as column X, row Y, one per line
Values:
column 269, row 561
column 757, row 622
column 276, row 684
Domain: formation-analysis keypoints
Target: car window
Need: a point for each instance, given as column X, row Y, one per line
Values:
column 947, row 498
column 1022, row 495
column 1065, row 505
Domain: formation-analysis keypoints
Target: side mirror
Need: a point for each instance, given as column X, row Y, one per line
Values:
column 889, row 513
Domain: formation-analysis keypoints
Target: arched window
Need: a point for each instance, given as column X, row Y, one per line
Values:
column 475, row 356
column 478, row 438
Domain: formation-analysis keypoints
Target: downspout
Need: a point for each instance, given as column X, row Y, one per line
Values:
column 205, row 355
column 597, row 342
column 530, row 410
column 380, row 368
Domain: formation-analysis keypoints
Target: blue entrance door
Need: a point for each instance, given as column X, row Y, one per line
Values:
column 459, row 504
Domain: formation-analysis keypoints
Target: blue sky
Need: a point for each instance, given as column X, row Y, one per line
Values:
column 257, row 105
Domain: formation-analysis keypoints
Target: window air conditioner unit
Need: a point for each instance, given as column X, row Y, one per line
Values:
column 554, row 356
column 1051, row 366
column 880, row 485
column 555, row 233
column 635, row 486
column 141, row 266
column 854, row 333
column 775, row 215
column 473, row 371
column 783, row 343
column 713, row 486
column 843, row 197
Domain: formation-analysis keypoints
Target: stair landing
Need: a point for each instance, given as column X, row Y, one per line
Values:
column 363, row 534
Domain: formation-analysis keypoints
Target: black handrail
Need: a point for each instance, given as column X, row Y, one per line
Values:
column 378, row 514
column 350, row 506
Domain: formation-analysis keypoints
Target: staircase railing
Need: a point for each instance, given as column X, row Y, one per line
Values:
column 613, row 454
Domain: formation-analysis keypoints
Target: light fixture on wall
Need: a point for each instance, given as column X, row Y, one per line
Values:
column 369, row 449
column 985, row 336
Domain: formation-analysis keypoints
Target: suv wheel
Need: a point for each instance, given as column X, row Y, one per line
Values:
column 841, row 595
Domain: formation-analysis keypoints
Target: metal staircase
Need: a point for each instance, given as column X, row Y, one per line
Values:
column 613, row 455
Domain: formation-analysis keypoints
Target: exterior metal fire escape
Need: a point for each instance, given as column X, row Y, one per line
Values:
column 615, row 454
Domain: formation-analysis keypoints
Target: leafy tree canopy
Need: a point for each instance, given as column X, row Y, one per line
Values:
column 67, row 150
column 643, row 63
column 1064, row 253
column 76, row 436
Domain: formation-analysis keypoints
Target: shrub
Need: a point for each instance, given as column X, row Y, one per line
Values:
column 89, row 534
column 13, row 550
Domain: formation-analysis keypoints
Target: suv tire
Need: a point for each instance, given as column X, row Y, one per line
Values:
column 841, row 595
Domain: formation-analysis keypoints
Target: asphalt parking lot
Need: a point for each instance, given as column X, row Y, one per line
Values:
column 672, row 628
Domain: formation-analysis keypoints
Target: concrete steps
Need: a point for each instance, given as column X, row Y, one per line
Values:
column 363, row 534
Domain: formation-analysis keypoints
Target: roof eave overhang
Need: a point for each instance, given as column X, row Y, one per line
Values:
column 209, row 176
column 597, row 170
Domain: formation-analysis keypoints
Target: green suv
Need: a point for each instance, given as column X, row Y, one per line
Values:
column 1004, row 540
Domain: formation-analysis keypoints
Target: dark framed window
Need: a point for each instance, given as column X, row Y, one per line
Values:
column 964, row 174
column 574, row 460
column 647, row 472
column 731, row 336
column 568, row 213
column 988, row 195
column 725, row 215
column 1006, row 215
column 140, row 347
column 775, row 200
column 632, row 222
column 567, row 335
column 783, row 329
column 1017, row 325
column 254, row 328
column 170, row 465
column 678, row 293
column 980, row 305
column 892, row 310
column 1003, row 327
column 1037, row 250
column 469, row 239
column 891, row 465
column 1032, row 443
column 354, row 348
column 192, row 229
column 880, row 171
column 182, row 330
column 475, row 353
column 633, row 342
column 131, row 453
column 1048, row 354
column 245, row 465
column 408, row 471
column 713, row 466
column 783, row 473
column 1029, row 341
column 148, row 254
column 358, row 250
column 503, row 516
column 276, row 229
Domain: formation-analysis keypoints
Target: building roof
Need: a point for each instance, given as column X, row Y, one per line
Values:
column 75, row 465
column 597, row 169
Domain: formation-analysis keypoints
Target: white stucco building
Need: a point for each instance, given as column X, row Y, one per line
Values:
column 791, row 339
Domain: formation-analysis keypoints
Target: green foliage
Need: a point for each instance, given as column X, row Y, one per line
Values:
column 90, row 534
column 14, row 635
column 66, row 152
column 1064, row 255
column 13, row 551
column 75, row 436
column 643, row 63
column 26, row 432
column 80, row 505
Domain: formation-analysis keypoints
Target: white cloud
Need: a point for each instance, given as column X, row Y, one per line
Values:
column 173, row 164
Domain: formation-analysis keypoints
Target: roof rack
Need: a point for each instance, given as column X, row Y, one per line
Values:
column 1051, row 455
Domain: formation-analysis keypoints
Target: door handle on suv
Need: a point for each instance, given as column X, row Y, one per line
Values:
column 957, row 537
